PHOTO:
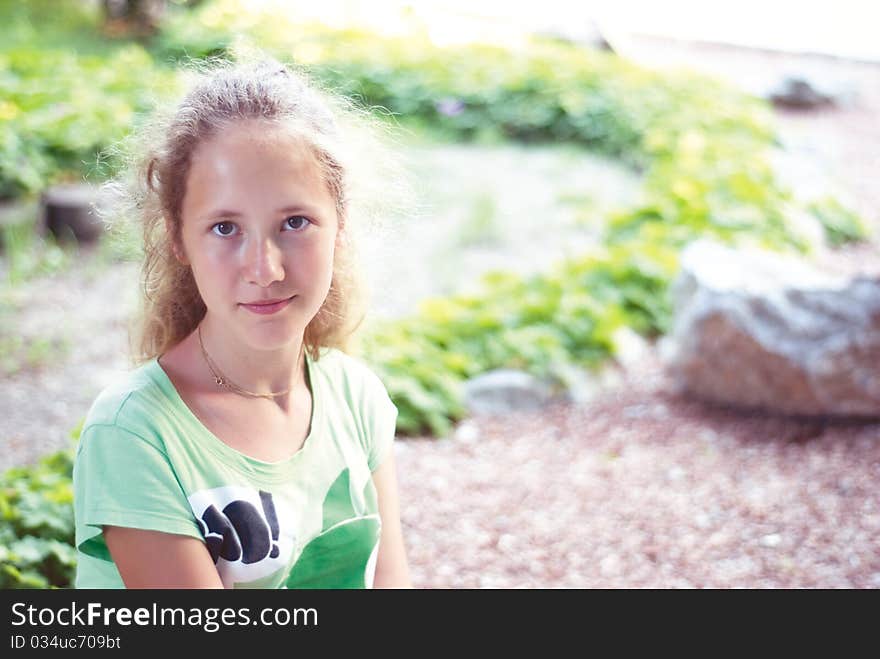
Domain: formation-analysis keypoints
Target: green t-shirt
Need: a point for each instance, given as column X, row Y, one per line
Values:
column 145, row 461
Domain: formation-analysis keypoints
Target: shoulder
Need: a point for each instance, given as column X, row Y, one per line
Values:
column 356, row 386
column 130, row 403
column 349, row 373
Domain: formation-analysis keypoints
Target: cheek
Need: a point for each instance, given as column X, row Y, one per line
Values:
column 211, row 269
column 327, row 264
column 316, row 261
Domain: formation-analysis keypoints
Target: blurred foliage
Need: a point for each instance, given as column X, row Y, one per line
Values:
column 29, row 254
column 18, row 353
column 36, row 523
column 841, row 224
column 66, row 94
column 56, row 131
column 542, row 91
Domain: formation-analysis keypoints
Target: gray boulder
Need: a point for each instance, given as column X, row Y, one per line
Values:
column 506, row 390
column 761, row 330
column 799, row 93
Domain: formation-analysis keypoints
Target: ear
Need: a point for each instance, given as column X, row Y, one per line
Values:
column 176, row 247
column 179, row 253
column 341, row 233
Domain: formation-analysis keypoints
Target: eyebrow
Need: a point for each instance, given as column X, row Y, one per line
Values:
column 222, row 213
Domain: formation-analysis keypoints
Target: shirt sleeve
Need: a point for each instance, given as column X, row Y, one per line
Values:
column 121, row 479
column 383, row 426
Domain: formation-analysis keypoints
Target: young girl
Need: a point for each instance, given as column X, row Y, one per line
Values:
column 247, row 449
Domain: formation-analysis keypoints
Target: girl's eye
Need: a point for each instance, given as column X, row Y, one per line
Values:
column 296, row 222
column 223, row 228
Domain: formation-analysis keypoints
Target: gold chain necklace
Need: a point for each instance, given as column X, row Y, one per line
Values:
column 223, row 381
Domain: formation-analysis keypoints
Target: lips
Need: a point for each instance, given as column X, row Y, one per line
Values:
column 267, row 306
column 258, row 303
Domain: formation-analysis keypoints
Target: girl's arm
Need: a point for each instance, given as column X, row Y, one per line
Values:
column 391, row 565
column 152, row 559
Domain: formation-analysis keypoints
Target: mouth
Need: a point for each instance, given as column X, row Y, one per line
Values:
column 267, row 306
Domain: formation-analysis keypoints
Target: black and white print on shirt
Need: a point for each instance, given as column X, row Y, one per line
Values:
column 245, row 532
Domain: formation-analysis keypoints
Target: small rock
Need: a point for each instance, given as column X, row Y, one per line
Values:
column 660, row 411
column 71, row 211
column 506, row 390
column 467, row 432
column 580, row 385
column 506, row 542
column 675, row 473
column 636, row 411
column 439, row 483
column 708, row 435
column 771, row 540
column 702, row 520
column 492, row 581
column 630, row 349
column 799, row 92
column 718, row 539
column 610, row 566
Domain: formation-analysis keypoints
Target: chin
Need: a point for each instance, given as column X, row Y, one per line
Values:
column 272, row 336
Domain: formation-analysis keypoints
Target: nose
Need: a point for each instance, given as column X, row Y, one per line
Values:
column 263, row 263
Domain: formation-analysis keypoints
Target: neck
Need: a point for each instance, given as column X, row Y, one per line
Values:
column 259, row 371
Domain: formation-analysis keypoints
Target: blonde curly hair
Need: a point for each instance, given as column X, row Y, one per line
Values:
column 152, row 190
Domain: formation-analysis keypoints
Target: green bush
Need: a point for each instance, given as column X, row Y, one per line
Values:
column 36, row 524
column 61, row 109
column 841, row 225
column 66, row 93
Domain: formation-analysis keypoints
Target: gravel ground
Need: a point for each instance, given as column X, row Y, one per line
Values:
column 40, row 406
column 635, row 488
column 640, row 489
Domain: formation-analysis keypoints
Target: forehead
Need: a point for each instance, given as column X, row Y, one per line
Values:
column 255, row 138
column 254, row 160
column 255, row 131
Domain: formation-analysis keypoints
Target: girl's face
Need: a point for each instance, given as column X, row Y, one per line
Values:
column 259, row 224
